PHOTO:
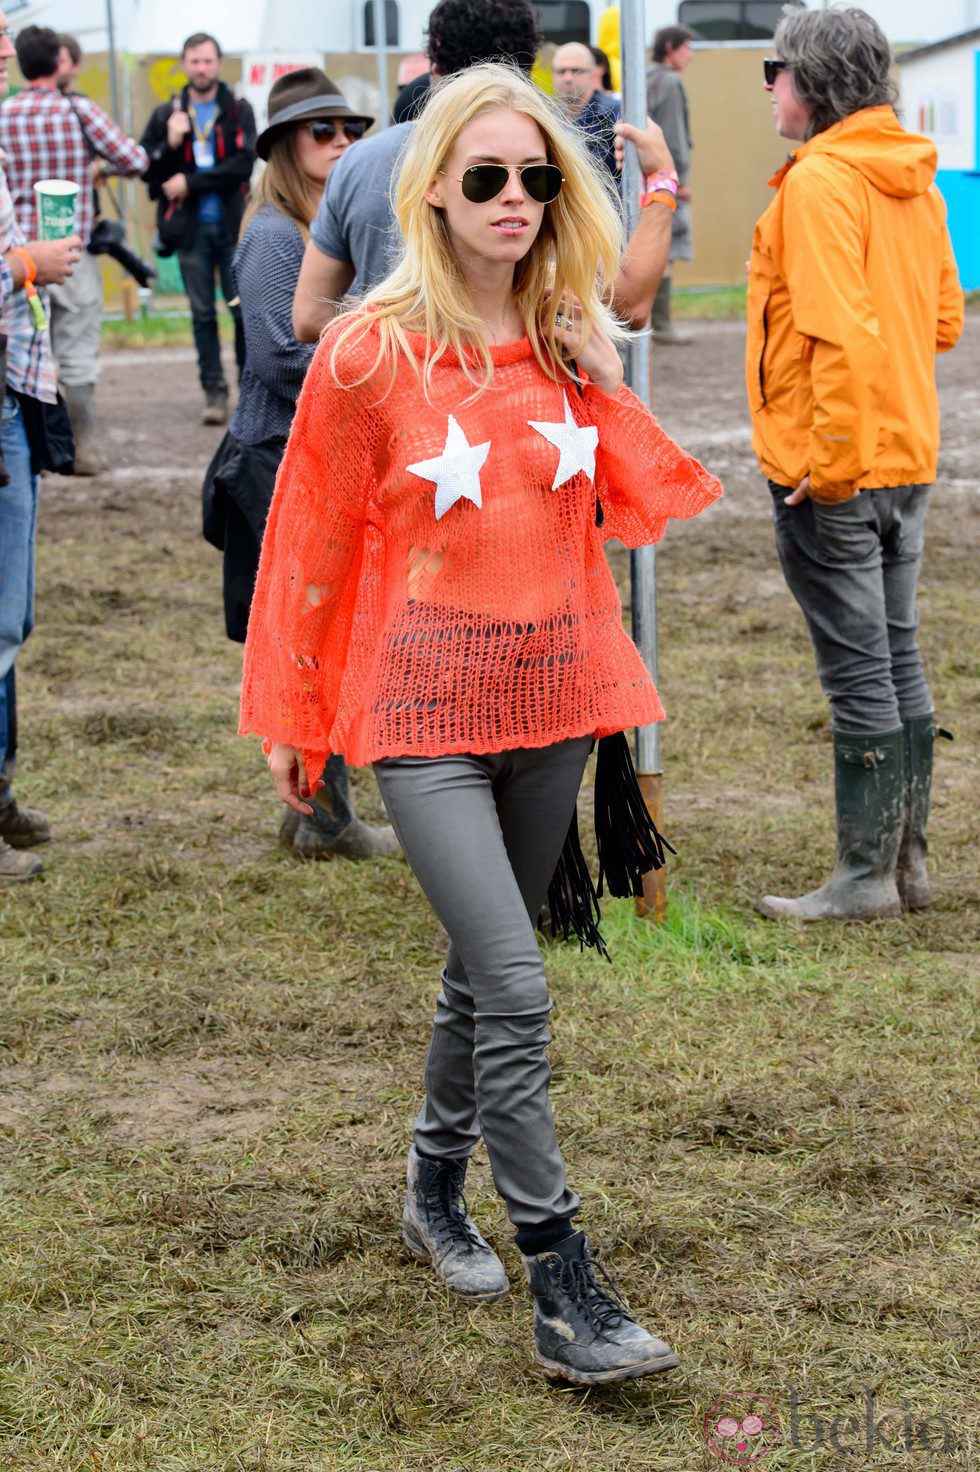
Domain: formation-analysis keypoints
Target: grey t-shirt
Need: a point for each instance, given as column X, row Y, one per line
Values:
column 355, row 221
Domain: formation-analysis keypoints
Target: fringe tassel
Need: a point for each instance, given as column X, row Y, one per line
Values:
column 572, row 899
column 629, row 843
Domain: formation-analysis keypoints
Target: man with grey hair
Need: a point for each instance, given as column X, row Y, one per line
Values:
column 852, row 291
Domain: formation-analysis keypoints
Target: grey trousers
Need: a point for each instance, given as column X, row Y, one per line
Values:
column 483, row 835
column 853, row 567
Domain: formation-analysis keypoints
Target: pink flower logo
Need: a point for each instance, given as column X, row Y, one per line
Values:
column 741, row 1428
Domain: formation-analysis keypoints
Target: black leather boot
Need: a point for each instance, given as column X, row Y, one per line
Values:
column 437, row 1228
column 583, row 1330
column 870, row 793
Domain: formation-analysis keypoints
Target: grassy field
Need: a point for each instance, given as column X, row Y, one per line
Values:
column 210, row 1056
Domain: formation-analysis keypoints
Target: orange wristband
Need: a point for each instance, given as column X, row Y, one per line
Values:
column 30, row 265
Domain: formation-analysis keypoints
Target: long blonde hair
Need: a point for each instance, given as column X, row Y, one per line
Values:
column 577, row 250
column 283, row 185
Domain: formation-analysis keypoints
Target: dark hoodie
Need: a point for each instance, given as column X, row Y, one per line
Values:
column 234, row 149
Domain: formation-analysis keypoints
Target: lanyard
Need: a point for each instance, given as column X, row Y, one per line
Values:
column 200, row 137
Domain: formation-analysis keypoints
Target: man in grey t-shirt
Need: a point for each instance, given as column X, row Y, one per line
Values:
column 354, row 222
column 354, row 237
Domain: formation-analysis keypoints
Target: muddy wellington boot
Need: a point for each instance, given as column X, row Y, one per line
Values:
column 869, row 774
column 437, row 1228
column 215, row 404
column 90, row 458
column 913, row 879
column 335, row 831
column 583, row 1329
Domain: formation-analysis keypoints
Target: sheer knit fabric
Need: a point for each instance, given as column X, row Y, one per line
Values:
column 432, row 579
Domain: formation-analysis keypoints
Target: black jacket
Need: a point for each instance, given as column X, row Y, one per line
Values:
column 234, row 149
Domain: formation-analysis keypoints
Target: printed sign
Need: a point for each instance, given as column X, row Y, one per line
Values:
column 260, row 69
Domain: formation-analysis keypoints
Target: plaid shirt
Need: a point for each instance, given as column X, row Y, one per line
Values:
column 47, row 136
column 30, row 361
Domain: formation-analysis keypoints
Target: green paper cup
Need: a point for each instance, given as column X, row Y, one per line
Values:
column 55, row 199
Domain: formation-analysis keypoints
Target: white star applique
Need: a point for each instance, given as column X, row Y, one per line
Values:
column 576, row 445
column 456, row 471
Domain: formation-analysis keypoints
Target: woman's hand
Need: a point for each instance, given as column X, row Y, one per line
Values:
column 289, row 774
column 598, row 357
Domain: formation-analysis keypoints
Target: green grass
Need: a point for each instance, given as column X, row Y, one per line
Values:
column 697, row 303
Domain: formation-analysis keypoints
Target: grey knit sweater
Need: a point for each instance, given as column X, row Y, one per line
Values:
column 266, row 269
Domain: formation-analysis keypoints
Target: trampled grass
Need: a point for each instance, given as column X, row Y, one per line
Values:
column 210, row 1058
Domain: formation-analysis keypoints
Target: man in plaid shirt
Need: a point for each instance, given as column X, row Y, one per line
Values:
column 47, row 135
column 29, row 376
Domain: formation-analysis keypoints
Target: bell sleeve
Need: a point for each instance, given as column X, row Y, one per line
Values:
column 306, row 588
column 642, row 477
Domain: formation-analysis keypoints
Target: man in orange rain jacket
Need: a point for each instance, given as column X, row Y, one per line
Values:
column 852, row 291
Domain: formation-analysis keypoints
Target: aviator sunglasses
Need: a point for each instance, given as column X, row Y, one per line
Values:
column 324, row 130
column 483, row 182
column 771, row 67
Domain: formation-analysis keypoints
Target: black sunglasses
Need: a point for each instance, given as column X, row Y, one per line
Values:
column 324, row 130
column 771, row 67
column 483, row 182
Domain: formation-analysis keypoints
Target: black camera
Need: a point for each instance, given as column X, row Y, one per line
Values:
column 109, row 239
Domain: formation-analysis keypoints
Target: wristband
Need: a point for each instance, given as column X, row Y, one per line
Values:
column 663, row 179
column 661, row 195
column 30, row 290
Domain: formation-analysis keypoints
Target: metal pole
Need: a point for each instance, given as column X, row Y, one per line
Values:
column 110, row 26
column 643, row 562
column 381, row 59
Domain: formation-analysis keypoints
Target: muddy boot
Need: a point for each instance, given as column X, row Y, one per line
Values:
column 583, row 1330
column 20, row 827
column 15, row 867
column 335, row 831
column 913, row 879
column 869, row 776
column 664, row 330
column 437, row 1228
column 215, row 405
column 80, row 402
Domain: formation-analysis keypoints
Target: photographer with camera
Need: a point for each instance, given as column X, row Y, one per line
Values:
column 47, row 135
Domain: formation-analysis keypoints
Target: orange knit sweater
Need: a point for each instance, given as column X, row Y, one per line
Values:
column 432, row 579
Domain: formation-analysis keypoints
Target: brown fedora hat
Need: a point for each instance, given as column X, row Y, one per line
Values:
column 299, row 96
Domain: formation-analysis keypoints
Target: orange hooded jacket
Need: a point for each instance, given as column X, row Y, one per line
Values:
column 852, row 291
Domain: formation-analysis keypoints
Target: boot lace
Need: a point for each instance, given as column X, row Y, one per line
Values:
column 449, row 1220
column 599, row 1297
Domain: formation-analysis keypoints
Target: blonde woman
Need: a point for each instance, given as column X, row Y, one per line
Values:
column 310, row 126
column 433, row 598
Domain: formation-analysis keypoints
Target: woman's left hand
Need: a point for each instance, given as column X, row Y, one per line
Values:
column 598, row 358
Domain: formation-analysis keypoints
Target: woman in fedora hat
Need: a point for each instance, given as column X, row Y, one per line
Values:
column 310, row 126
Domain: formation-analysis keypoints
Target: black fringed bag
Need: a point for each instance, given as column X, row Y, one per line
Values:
column 629, row 844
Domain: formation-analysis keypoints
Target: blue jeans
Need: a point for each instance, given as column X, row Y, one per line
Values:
column 213, row 252
column 18, row 522
column 853, row 567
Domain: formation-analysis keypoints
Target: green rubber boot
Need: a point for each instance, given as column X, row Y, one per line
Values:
column 913, row 878
column 869, row 773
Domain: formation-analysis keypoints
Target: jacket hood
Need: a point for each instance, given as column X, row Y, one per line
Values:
column 874, row 142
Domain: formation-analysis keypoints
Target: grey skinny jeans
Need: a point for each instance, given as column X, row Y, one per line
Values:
column 483, row 835
column 853, row 567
